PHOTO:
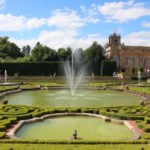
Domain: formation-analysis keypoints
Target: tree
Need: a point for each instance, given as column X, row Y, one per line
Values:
column 26, row 50
column 64, row 54
column 9, row 49
column 94, row 53
column 43, row 53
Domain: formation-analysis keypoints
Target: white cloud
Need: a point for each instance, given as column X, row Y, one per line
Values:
column 35, row 23
column 91, row 13
column 58, row 38
column 65, row 19
column 123, row 11
column 12, row 23
column 66, row 33
column 140, row 38
column 23, row 42
column 9, row 22
column 61, row 19
column 146, row 24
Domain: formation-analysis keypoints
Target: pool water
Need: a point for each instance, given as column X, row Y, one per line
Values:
column 83, row 98
column 62, row 128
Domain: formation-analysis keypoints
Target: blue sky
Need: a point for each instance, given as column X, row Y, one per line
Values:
column 75, row 23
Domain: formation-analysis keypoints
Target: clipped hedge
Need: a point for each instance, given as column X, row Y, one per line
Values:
column 22, row 141
column 87, row 110
column 2, row 128
column 147, row 129
column 2, row 135
column 44, row 68
column 74, row 110
column 108, row 68
column 120, row 116
column 25, row 116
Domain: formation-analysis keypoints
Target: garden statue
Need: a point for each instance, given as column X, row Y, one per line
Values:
column 114, row 74
column 75, row 134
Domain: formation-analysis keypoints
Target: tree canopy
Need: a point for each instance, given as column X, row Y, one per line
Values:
column 9, row 51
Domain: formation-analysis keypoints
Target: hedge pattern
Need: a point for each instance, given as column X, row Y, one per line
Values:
column 10, row 114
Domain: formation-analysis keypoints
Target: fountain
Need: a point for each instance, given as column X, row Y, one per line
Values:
column 5, row 80
column 74, row 78
column 139, row 77
column 5, row 76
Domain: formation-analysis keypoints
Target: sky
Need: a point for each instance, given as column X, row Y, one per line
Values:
column 75, row 23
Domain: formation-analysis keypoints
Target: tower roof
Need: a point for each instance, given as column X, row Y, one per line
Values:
column 114, row 35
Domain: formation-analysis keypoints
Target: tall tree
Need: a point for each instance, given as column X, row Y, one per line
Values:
column 9, row 49
column 94, row 53
column 26, row 50
column 43, row 53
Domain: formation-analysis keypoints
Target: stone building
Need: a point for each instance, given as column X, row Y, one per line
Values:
column 127, row 56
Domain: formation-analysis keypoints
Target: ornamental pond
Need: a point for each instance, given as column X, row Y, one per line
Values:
column 83, row 98
column 62, row 128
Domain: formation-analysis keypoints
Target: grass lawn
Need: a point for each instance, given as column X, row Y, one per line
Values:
column 73, row 147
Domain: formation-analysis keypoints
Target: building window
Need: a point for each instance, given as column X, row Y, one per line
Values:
column 126, row 61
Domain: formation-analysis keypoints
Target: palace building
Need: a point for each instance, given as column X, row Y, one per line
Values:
column 127, row 56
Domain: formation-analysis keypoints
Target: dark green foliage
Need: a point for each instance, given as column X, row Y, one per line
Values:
column 75, row 110
column 44, row 68
column 42, row 53
column 62, row 110
column 147, row 129
column 95, row 53
column 33, row 68
column 26, row 50
column 26, row 116
column 2, row 135
column 108, row 68
column 9, row 49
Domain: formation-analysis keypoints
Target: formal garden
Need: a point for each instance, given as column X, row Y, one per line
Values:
column 65, row 99
column 104, row 116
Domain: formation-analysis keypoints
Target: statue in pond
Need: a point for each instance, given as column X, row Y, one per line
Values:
column 75, row 134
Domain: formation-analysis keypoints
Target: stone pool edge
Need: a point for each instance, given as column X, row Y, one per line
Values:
column 11, row 132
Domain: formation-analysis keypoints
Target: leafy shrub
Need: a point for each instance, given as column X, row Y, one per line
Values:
column 2, row 128
column 26, row 116
column 2, row 135
column 75, row 110
column 62, row 110
column 87, row 110
column 147, row 129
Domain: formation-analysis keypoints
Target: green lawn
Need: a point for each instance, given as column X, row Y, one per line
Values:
column 73, row 147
